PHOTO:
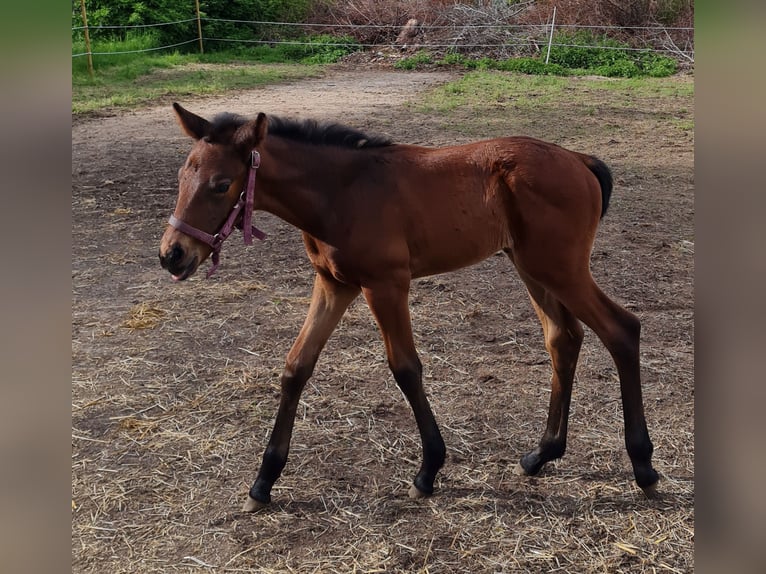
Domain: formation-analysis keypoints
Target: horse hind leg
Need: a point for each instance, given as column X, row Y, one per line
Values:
column 619, row 331
column 563, row 338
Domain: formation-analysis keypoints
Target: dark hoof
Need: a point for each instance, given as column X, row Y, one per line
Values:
column 519, row 470
column 648, row 483
column 423, row 485
column 260, row 495
column 530, row 464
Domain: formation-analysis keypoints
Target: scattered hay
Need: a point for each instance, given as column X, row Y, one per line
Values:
column 143, row 316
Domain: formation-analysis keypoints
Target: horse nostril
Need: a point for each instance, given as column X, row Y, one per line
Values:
column 173, row 256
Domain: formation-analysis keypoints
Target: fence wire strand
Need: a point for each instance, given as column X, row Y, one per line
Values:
column 459, row 31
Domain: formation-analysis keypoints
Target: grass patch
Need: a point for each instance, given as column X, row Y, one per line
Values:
column 141, row 83
column 489, row 103
column 123, row 79
column 484, row 90
column 420, row 58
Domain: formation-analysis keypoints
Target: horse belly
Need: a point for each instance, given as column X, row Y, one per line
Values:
column 455, row 238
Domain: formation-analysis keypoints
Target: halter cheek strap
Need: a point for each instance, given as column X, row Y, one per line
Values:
column 246, row 202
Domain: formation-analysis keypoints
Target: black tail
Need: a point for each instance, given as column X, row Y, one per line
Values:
column 604, row 176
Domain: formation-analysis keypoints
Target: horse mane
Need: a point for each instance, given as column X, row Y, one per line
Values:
column 310, row 131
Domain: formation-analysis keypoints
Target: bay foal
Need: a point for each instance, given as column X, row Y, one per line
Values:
column 375, row 215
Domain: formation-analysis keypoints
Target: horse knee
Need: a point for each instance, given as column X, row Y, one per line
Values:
column 294, row 378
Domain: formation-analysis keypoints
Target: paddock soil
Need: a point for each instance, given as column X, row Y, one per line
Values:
column 174, row 386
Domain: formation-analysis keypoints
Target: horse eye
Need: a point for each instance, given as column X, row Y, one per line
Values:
column 222, row 187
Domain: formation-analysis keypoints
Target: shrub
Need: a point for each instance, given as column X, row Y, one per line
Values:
column 420, row 58
column 129, row 12
column 453, row 59
column 607, row 57
column 326, row 49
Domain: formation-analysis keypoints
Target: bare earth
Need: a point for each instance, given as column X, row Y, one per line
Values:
column 174, row 386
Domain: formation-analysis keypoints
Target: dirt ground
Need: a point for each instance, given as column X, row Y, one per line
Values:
column 174, row 386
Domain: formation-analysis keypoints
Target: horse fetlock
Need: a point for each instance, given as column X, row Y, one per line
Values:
column 640, row 449
column 434, row 454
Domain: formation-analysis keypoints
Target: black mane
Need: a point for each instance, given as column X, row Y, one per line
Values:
column 308, row 130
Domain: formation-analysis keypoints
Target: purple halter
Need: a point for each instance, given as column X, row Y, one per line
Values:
column 249, row 231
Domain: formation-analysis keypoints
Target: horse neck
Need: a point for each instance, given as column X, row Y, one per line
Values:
column 297, row 182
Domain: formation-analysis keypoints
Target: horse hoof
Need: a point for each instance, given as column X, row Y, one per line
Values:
column 519, row 470
column 650, row 491
column 416, row 493
column 251, row 504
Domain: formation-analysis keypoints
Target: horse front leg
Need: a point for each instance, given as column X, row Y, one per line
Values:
column 329, row 301
column 388, row 303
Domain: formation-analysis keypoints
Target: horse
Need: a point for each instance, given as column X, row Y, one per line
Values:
column 375, row 215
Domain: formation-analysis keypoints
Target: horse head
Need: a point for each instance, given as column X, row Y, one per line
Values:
column 213, row 189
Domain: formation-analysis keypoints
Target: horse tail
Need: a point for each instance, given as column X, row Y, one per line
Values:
column 604, row 176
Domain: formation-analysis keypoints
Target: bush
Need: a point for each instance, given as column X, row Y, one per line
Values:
column 129, row 12
column 607, row 57
column 320, row 49
column 453, row 59
column 533, row 66
column 658, row 66
column 421, row 58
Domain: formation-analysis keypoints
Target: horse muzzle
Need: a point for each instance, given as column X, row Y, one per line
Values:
column 178, row 262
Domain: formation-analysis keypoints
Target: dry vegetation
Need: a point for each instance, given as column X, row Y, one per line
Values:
column 503, row 29
column 174, row 387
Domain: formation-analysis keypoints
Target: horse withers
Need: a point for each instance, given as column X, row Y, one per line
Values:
column 375, row 215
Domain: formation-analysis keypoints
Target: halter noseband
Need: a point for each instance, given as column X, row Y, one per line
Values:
column 246, row 199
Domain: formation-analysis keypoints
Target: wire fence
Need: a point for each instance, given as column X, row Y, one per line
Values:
column 492, row 37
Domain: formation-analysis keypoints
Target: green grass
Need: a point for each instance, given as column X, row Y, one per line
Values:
column 483, row 90
column 488, row 103
column 154, row 79
column 135, row 79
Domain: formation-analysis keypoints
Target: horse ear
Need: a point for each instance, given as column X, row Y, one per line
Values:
column 193, row 125
column 252, row 133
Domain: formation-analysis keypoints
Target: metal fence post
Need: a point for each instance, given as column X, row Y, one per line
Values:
column 550, row 38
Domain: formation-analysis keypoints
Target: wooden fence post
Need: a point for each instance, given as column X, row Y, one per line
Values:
column 199, row 28
column 87, row 37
